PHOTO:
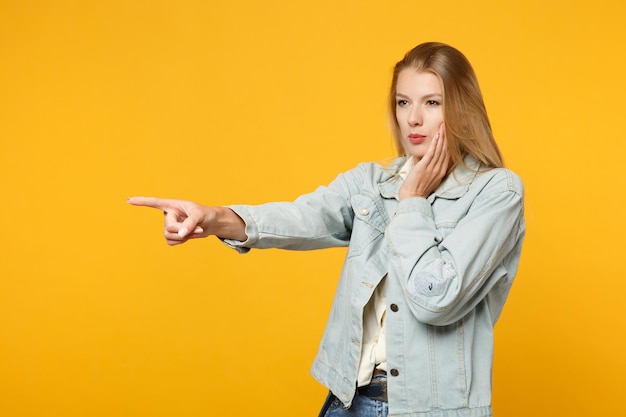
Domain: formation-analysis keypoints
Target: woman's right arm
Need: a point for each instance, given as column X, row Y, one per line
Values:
column 186, row 220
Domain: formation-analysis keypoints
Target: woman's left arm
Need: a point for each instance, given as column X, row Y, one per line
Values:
column 444, row 275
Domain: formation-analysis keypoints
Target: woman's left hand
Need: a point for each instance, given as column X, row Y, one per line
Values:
column 428, row 172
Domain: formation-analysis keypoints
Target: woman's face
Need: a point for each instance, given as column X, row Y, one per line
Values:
column 419, row 109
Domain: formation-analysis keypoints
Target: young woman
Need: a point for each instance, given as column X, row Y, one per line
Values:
column 434, row 242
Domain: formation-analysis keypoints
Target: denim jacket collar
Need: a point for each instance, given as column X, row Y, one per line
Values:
column 453, row 187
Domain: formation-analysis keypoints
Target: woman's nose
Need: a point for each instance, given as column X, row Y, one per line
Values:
column 415, row 117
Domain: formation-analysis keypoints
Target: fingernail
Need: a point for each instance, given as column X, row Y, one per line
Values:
column 183, row 232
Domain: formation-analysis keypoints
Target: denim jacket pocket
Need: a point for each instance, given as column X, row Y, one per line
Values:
column 369, row 223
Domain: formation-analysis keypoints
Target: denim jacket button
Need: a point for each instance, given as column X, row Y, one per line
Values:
column 394, row 372
column 364, row 211
column 394, row 307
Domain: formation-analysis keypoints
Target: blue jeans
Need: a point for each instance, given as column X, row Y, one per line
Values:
column 362, row 406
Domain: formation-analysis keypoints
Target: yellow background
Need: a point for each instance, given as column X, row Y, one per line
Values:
column 252, row 101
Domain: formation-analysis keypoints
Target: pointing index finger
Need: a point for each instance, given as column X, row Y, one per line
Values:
column 157, row 203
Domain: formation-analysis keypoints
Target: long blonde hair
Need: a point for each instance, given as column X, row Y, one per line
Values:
column 467, row 126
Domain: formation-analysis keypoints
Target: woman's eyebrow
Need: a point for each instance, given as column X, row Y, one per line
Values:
column 425, row 96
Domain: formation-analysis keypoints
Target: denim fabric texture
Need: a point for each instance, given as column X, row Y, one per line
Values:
column 362, row 406
column 450, row 260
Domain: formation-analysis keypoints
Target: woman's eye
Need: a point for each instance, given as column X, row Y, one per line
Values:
column 432, row 102
column 402, row 102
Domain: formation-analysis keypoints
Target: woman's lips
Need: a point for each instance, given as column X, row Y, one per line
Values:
column 416, row 139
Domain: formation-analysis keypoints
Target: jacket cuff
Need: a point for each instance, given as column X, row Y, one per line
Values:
column 415, row 205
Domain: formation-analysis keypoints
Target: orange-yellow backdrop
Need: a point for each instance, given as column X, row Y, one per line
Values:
column 246, row 101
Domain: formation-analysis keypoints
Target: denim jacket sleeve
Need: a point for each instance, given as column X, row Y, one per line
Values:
column 447, row 263
column 320, row 219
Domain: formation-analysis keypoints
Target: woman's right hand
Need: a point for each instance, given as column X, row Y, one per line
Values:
column 186, row 220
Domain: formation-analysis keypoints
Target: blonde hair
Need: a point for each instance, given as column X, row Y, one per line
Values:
column 467, row 126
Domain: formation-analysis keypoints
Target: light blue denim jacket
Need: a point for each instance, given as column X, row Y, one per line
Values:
column 450, row 262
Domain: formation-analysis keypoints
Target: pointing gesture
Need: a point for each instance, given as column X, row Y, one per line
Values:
column 186, row 220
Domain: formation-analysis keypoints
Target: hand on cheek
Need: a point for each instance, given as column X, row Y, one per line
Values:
column 429, row 171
